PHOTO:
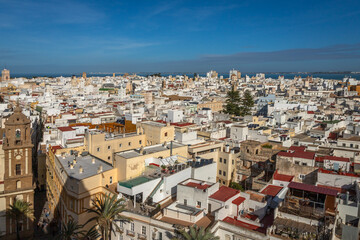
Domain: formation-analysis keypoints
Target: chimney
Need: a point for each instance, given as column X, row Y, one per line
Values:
column 93, row 160
column 227, row 148
column 100, row 169
column 81, row 170
column 171, row 148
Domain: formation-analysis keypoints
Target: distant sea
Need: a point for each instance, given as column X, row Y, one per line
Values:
column 336, row 76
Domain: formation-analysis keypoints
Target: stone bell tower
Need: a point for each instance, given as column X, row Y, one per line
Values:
column 17, row 168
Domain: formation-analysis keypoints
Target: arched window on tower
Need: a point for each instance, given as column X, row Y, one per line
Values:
column 18, row 184
column 17, row 133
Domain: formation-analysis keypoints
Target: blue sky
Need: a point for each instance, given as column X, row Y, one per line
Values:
column 71, row 36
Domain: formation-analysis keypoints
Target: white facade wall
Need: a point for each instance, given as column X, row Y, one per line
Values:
column 239, row 133
column 205, row 173
column 335, row 180
column 344, row 166
column 185, row 136
column 175, row 116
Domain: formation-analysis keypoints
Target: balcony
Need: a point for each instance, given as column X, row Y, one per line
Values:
column 141, row 236
column 130, row 233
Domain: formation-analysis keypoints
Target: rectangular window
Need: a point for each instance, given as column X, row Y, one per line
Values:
column 224, row 161
column 297, row 162
column 301, row 176
column 129, row 143
column 344, row 145
column 166, row 134
column 224, row 173
column 143, row 230
column 132, row 227
column 120, row 145
column 185, row 202
column 220, row 159
column 98, row 149
column 18, row 169
column 109, row 147
column 199, row 204
column 160, row 235
column 110, row 180
column 233, row 162
column 304, row 164
column 140, row 141
column 220, row 172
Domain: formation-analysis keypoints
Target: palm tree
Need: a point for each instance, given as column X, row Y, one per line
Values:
column 197, row 233
column 107, row 210
column 71, row 230
column 20, row 211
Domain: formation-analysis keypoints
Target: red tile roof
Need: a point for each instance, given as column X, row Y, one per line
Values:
column 272, row 190
column 312, row 188
column 339, row 159
column 54, row 148
column 321, row 170
column 66, row 129
column 224, row 193
column 252, row 217
column 178, row 124
column 241, row 224
column 197, row 185
column 238, row 201
column 297, row 152
column 339, row 190
column 282, row 177
column 297, row 148
column 181, row 124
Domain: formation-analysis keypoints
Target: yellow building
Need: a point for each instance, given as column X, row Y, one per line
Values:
column 73, row 179
column 156, row 132
column 215, row 106
column 74, row 176
column 354, row 88
column 131, row 164
column 5, row 75
column 103, row 145
column 227, row 165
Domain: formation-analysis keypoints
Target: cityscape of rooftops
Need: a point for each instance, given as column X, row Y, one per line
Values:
column 180, row 120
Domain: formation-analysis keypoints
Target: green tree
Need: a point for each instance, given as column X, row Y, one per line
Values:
column 236, row 186
column 197, row 233
column 247, row 102
column 233, row 101
column 73, row 230
column 20, row 211
column 107, row 210
column 70, row 231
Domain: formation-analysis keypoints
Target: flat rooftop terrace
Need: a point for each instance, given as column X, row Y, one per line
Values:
column 148, row 150
column 135, row 181
column 89, row 164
